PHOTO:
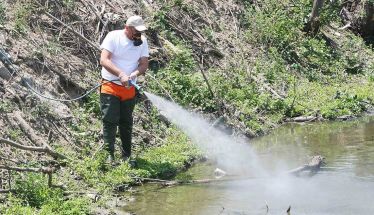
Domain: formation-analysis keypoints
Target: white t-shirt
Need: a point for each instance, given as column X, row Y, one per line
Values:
column 124, row 54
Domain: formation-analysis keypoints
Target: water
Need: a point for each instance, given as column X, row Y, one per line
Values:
column 344, row 186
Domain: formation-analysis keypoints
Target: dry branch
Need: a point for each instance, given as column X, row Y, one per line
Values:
column 5, row 191
column 9, row 159
column 28, row 130
column 266, row 87
column 34, row 149
column 303, row 119
column 68, row 27
column 46, row 170
column 313, row 166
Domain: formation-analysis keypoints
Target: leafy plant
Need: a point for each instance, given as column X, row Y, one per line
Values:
column 92, row 104
column 34, row 190
column 22, row 14
column 181, row 79
column 2, row 13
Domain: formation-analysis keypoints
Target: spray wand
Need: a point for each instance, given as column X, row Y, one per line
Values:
column 137, row 87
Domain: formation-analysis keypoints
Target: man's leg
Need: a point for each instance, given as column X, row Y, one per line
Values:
column 110, row 109
column 125, row 126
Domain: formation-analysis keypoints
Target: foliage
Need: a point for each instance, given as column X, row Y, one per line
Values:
column 181, row 79
column 160, row 19
column 15, row 134
column 16, row 206
column 281, row 27
column 69, row 3
column 92, row 104
column 34, row 190
column 164, row 162
column 75, row 206
column 5, row 106
column 22, row 15
column 85, row 127
column 2, row 13
column 170, row 158
column 33, row 196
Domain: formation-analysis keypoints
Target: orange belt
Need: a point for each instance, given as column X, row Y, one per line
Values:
column 120, row 91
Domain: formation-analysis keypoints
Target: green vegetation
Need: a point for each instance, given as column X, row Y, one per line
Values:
column 5, row 107
column 69, row 3
column 183, row 81
column 33, row 196
column 2, row 13
column 161, row 162
column 22, row 14
column 315, row 75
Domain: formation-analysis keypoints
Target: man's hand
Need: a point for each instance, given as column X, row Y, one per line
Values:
column 124, row 79
column 134, row 75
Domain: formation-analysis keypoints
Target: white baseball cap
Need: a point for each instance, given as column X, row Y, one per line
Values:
column 137, row 22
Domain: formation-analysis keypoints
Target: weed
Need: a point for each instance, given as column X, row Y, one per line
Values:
column 6, row 106
column 181, row 80
column 16, row 206
column 209, row 33
column 15, row 134
column 92, row 104
column 53, row 47
column 22, row 15
column 34, row 190
column 2, row 13
column 69, row 3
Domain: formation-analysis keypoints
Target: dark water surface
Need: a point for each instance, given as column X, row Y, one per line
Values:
column 344, row 186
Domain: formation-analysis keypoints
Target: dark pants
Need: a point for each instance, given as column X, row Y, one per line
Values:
column 116, row 113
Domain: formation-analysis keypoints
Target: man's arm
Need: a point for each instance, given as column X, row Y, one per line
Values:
column 106, row 62
column 143, row 66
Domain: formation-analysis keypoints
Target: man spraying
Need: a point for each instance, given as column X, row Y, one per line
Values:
column 124, row 56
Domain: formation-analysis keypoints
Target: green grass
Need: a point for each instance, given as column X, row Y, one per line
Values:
column 33, row 196
column 161, row 162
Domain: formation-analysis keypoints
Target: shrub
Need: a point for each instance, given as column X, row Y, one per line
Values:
column 34, row 191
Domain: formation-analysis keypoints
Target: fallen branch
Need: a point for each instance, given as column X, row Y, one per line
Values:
column 6, row 191
column 9, row 159
column 45, row 170
column 303, row 119
column 28, row 130
column 313, row 166
column 33, row 148
column 271, row 90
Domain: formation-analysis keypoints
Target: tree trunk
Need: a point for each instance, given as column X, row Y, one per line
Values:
column 368, row 28
column 313, row 24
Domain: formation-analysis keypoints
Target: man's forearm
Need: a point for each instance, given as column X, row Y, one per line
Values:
column 141, row 70
column 142, row 67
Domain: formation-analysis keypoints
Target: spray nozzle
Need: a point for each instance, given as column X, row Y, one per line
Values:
column 131, row 82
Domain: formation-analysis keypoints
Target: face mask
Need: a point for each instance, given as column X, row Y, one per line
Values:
column 138, row 39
